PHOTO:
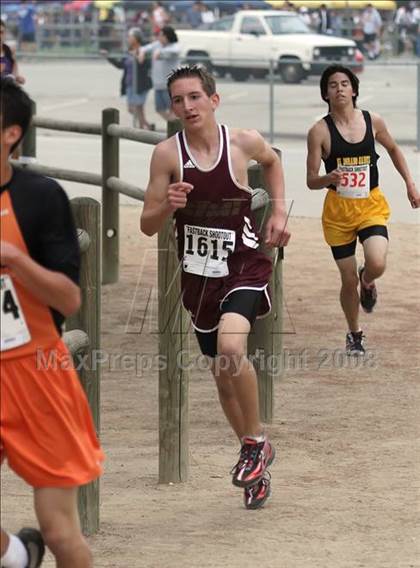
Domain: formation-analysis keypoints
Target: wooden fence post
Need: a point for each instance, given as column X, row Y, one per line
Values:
column 87, row 215
column 173, row 344
column 265, row 342
column 110, row 199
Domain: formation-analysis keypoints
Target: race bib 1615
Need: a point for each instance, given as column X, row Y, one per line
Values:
column 206, row 250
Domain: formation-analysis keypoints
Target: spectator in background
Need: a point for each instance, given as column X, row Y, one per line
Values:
column 165, row 58
column 336, row 23
column 305, row 15
column 27, row 27
column 160, row 17
column 207, row 15
column 416, row 15
column 194, row 14
column 8, row 63
column 9, row 66
column 136, row 81
column 408, row 21
column 142, row 20
column 289, row 6
column 324, row 20
column 371, row 25
column 106, row 31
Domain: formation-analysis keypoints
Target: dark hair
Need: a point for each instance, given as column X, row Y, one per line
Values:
column 331, row 70
column 15, row 106
column 187, row 71
column 170, row 34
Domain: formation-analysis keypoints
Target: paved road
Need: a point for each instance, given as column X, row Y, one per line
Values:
column 80, row 90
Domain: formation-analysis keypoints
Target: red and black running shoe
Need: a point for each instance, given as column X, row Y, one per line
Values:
column 256, row 496
column 254, row 459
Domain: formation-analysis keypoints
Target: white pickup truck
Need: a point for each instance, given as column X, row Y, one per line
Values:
column 246, row 42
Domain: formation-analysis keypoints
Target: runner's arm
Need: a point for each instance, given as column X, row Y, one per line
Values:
column 52, row 288
column 277, row 233
column 313, row 162
column 383, row 136
column 274, row 176
column 162, row 197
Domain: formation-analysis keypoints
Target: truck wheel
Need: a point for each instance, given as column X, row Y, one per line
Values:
column 291, row 72
column 260, row 73
column 239, row 74
column 220, row 71
column 199, row 58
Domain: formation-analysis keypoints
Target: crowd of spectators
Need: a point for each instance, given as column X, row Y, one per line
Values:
column 396, row 32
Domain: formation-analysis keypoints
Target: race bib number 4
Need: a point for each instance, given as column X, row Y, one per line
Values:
column 14, row 331
column 206, row 250
column 355, row 182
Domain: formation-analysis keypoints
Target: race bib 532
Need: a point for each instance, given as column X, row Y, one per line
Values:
column 355, row 182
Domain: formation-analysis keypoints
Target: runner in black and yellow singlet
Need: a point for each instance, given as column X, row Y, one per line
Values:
column 354, row 206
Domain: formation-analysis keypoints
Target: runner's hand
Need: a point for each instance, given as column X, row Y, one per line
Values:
column 177, row 195
column 413, row 195
column 8, row 253
column 276, row 232
column 335, row 177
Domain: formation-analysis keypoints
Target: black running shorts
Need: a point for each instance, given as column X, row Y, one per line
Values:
column 244, row 302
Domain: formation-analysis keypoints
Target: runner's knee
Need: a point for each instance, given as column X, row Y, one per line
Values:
column 349, row 279
column 375, row 267
column 63, row 539
column 231, row 347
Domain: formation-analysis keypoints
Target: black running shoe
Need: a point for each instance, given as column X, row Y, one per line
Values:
column 32, row 541
column 354, row 343
column 256, row 496
column 368, row 296
column 254, row 459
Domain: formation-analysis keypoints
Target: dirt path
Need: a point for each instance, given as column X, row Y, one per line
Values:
column 346, row 481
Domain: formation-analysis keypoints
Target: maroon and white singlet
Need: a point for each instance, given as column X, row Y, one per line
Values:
column 217, row 238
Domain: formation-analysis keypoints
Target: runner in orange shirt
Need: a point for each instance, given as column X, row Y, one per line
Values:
column 47, row 432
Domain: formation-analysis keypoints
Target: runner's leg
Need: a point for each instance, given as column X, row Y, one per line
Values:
column 349, row 296
column 56, row 510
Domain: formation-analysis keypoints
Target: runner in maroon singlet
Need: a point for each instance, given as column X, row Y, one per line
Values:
column 200, row 177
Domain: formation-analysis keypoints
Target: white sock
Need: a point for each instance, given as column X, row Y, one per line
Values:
column 258, row 439
column 16, row 555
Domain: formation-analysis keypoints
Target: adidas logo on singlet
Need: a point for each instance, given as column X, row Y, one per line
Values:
column 189, row 164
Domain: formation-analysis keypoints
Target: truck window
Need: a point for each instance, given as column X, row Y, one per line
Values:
column 252, row 25
column 286, row 25
column 222, row 25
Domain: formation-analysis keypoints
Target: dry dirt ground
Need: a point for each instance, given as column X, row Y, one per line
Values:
column 346, row 480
